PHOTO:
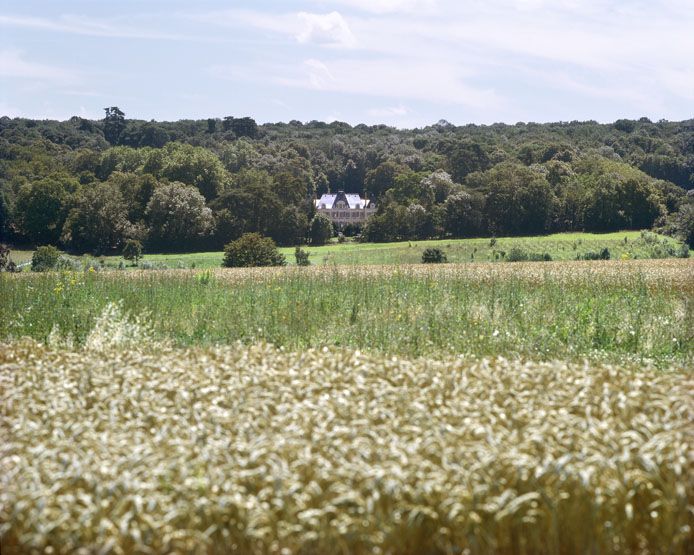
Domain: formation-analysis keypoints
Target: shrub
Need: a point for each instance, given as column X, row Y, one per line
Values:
column 68, row 263
column 604, row 254
column 250, row 250
column 149, row 265
column 433, row 256
column 132, row 250
column 517, row 255
column 301, row 257
column 44, row 259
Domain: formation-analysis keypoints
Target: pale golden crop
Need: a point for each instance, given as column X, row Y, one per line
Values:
column 114, row 449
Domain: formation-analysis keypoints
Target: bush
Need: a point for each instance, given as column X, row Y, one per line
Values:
column 132, row 250
column 517, row 255
column 301, row 257
column 251, row 250
column 604, row 254
column 68, row 263
column 433, row 256
column 149, row 265
column 44, row 259
column 539, row 257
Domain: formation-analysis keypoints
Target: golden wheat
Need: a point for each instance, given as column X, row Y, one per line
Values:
column 251, row 449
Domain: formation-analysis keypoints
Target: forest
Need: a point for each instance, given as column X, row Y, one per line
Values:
column 195, row 185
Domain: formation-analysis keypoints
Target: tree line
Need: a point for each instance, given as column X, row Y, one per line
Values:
column 91, row 186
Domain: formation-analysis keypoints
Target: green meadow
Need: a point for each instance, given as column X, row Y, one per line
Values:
column 560, row 246
column 622, row 310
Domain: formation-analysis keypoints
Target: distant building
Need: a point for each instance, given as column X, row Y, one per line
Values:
column 344, row 209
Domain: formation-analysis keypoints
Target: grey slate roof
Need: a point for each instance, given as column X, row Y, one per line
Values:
column 354, row 201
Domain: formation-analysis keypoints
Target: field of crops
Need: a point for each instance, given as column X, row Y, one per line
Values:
column 472, row 408
column 130, row 447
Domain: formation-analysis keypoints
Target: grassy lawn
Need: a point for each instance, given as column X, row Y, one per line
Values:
column 560, row 246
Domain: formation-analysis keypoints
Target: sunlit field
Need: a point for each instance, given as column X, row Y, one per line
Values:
column 460, row 408
column 559, row 246
column 126, row 446
column 605, row 309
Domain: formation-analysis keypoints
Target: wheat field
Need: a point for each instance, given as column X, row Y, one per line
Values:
column 125, row 445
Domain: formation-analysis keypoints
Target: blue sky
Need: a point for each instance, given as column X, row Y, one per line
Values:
column 406, row 63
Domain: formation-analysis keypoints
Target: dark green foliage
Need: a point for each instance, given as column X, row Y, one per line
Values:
column 519, row 255
column 241, row 127
column 321, row 230
column 98, row 221
column 681, row 223
column 603, row 254
column 251, row 250
column 44, row 258
column 433, row 256
column 132, row 250
column 178, row 218
column 506, row 179
column 464, row 214
column 301, row 257
column 516, row 255
column 114, row 124
column 41, row 208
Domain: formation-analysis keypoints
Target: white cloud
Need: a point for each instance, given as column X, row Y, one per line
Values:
column 329, row 29
column 390, row 6
column 432, row 81
column 80, row 25
column 390, row 111
column 14, row 65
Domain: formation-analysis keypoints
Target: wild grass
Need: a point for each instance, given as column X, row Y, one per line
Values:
column 122, row 447
column 608, row 310
column 559, row 246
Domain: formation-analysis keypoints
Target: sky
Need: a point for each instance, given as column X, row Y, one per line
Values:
column 405, row 63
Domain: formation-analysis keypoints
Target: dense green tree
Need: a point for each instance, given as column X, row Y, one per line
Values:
column 194, row 166
column 617, row 202
column 466, row 157
column 681, row 223
column 321, row 230
column 518, row 201
column 464, row 214
column 41, row 208
column 441, row 184
column 290, row 226
column 98, row 220
column 114, row 124
column 382, row 178
column 262, row 182
column 178, row 218
column 252, row 201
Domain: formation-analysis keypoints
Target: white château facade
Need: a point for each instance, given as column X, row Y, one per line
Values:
column 344, row 209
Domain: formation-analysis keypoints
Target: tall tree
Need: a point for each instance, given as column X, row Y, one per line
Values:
column 114, row 124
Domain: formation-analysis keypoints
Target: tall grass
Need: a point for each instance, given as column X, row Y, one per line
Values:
column 639, row 310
